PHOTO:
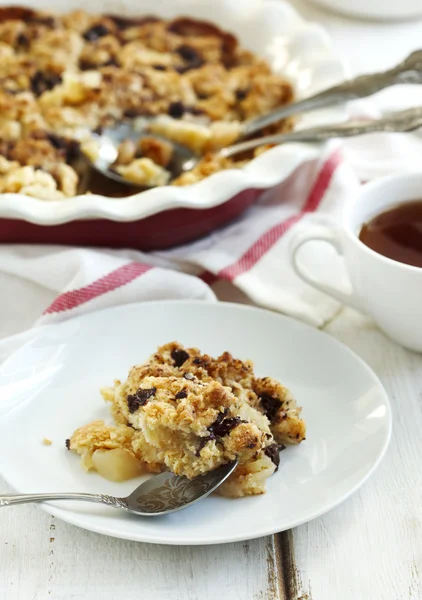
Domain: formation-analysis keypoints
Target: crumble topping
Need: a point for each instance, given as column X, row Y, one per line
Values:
column 190, row 413
column 64, row 77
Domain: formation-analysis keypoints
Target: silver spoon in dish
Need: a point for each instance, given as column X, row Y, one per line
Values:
column 159, row 495
column 408, row 71
column 185, row 160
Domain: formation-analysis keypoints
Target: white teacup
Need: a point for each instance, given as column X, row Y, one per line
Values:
column 389, row 291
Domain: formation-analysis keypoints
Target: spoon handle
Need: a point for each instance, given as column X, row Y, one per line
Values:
column 406, row 120
column 408, row 71
column 11, row 499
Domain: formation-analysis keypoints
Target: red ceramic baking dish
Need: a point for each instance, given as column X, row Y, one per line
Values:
column 163, row 217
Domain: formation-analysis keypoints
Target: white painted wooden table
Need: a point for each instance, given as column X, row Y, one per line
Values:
column 369, row 548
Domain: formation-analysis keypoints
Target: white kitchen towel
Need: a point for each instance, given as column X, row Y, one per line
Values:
column 40, row 285
column 252, row 253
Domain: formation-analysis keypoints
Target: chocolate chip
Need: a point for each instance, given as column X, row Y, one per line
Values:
column 22, row 41
column 270, row 405
column 95, row 32
column 140, row 398
column 43, row 81
column 273, row 452
column 56, row 141
column 224, row 428
column 191, row 57
column 86, row 65
column 202, row 443
column 241, row 94
column 220, row 418
column 197, row 361
column 159, row 67
column 179, row 357
column 187, row 53
column 70, row 148
column 221, row 427
column 176, row 110
column 67, row 443
column 189, row 376
column 181, row 395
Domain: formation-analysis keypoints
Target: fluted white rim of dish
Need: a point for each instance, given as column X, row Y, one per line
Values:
column 272, row 28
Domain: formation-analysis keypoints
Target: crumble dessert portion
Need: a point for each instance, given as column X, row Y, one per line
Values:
column 196, row 426
column 190, row 413
column 266, row 395
column 63, row 77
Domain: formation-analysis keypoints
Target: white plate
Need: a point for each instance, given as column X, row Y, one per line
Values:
column 375, row 9
column 300, row 50
column 50, row 387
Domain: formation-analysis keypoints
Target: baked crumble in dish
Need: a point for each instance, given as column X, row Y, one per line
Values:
column 64, row 77
column 190, row 413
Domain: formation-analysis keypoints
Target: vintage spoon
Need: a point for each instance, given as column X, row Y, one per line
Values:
column 184, row 160
column 159, row 495
column 408, row 71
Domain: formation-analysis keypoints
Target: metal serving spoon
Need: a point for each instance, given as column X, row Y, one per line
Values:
column 408, row 71
column 184, row 160
column 160, row 495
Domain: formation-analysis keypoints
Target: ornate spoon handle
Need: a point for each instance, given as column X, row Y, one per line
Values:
column 406, row 120
column 10, row 500
column 409, row 71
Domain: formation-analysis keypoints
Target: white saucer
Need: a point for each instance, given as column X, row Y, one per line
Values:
column 50, row 387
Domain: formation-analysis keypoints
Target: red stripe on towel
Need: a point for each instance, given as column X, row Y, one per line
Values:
column 108, row 283
column 270, row 237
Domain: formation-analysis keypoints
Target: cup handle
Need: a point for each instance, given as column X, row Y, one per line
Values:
column 331, row 236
